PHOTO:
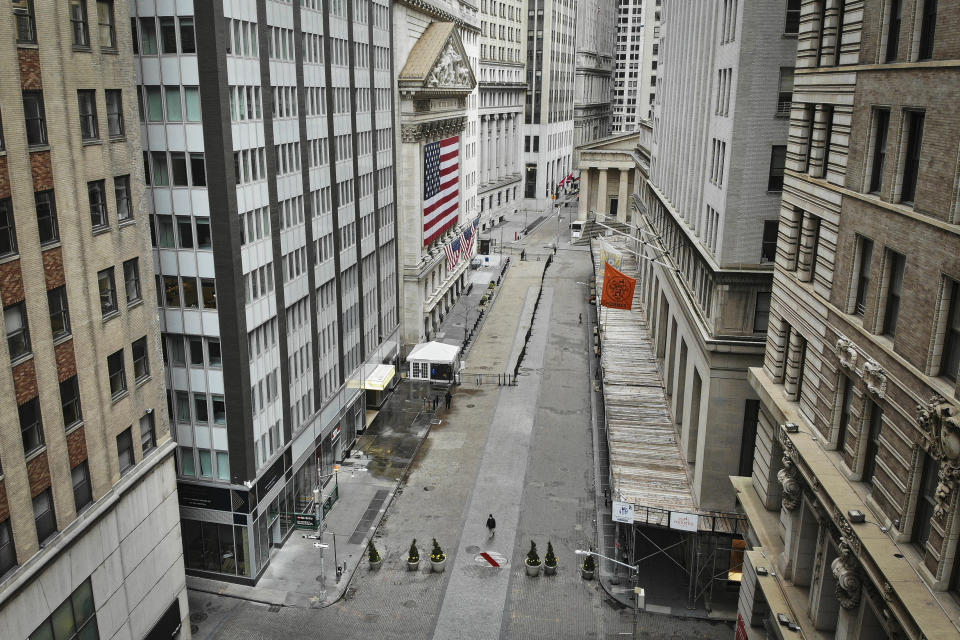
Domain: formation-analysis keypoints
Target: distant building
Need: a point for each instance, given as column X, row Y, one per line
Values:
column 502, row 88
column 89, row 529
column 596, row 33
column 269, row 153
column 437, row 49
column 548, row 111
column 853, row 495
column 635, row 67
column 712, row 201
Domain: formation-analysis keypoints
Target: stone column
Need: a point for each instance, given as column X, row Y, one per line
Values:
column 491, row 150
column 791, row 378
column 806, row 248
column 818, row 140
column 517, row 145
column 584, row 207
column 602, row 202
column 623, row 196
column 501, row 132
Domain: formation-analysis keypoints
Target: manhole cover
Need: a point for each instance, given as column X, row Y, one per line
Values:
column 194, row 629
column 274, row 608
column 473, row 549
column 198, row 617
column 410, row 604
column 471, row 406
column 429, row 487
column 319, row 578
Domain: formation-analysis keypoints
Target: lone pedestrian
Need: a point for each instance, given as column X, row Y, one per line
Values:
column 491, row 525
column 579, row 318
column 436, row 401
column 449, row 398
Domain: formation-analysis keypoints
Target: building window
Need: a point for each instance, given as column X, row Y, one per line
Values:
column 47, row 226
column 82, row 492
column 928, row 26
column 893, row 29
column 121, row 192
column 187, row 466
column 168, row 34
column 926, row 500
column 8, row 231
column 117, row 373
column 911, row 163
column 864, row 256
column 8, row 553
column 882, row 124
column 70, row 402
column 59, row 312
column 761, row 313
column 778, row 159
column 873, row 443
column 198, row 170
column 18, row 331
column 108, row 292
column 785, row 95
column 131, row 280
column 97, row 194
column 209, row 291
column 141, row 361
column 26, row 25
column 768, row 246
column 108, row 31
column 125, row 450
column 792, row 24
column 188, row 42
column 846, row 405
column 78, row 23
column 31, row 425
column 74, row 619
column 148, row 437
column 950, row 359
column 87, row 100
column 45, row 518
column 897, row 264
column 114, row 113
column 35, row 118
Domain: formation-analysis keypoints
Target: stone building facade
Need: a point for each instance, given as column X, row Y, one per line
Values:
column 436, row 53
column 89, row 529
column 596, row 34
column 853, row 497
column 713, row 190
column 269, row 147
column 501, row 90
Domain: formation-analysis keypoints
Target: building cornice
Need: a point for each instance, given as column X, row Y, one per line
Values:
column 439, row 14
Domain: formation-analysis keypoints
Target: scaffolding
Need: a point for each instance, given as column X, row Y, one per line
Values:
column 647, row 469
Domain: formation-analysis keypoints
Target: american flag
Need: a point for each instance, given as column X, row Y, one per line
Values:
column 441, row 187
column 453, row 251
column 468, row 241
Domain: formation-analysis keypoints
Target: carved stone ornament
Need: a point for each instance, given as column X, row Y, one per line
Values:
column 940, row 425
column 432, row 129
column 451, row 70
column 847, row 576
column 787, row 477
column 846, row 352
column 888, row 592
column 875, row 377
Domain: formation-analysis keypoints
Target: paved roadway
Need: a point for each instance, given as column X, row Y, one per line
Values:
column 523, row 453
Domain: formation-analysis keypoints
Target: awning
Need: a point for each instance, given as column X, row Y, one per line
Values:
column 373, row 377
column 435, row 352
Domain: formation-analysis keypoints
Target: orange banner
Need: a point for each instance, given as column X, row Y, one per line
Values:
column 617, row 289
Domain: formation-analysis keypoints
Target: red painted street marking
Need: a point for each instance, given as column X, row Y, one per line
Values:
column 489, row 558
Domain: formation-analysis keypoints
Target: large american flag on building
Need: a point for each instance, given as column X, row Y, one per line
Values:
column 441, row 187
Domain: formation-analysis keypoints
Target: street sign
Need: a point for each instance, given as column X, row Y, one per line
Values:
column 684, row 521
column 622, row 512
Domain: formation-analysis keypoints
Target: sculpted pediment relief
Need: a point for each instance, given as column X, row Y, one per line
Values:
column 438, row 64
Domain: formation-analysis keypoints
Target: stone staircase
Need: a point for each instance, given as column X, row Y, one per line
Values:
column 593, row 230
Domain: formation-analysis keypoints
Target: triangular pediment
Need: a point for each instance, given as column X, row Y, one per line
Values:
column 438, row 62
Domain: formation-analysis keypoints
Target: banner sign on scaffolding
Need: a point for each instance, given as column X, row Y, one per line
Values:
column 622, row 512
column 618, row 289
column 684, row 521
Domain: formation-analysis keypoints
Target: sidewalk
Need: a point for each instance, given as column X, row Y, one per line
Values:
column 301, row 575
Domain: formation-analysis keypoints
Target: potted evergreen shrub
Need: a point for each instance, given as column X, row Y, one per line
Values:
column 376, row 560
column 533, row 560
column 413, row 557
column 549, row 560
column 437, row 558
column 588, row 568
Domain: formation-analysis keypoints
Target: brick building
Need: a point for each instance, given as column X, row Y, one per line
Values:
column 853, row 497
column 89, row 530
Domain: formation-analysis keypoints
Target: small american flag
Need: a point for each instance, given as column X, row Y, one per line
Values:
column 453, row 251
column 441, row 187
column 468, row 241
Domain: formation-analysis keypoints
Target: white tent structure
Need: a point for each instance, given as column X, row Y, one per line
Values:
column 434, row 361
